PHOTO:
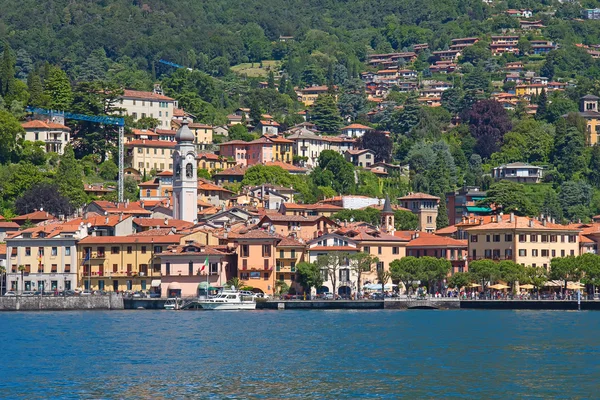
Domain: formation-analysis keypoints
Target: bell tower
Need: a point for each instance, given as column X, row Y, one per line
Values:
column 387, row 216
column 185, row 178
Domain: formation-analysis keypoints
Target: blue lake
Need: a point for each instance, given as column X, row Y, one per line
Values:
column 300, row 354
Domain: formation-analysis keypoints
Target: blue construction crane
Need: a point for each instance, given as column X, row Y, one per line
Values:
column 105, row 120
column 172, row 64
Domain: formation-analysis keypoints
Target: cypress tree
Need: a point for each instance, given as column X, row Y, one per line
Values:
column 69, row 178
column 542, row 104
column 58, row 89
column 326, row 115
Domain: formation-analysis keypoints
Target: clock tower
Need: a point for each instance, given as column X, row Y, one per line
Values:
column 185, row 179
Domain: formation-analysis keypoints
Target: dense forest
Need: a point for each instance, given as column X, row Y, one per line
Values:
column 79, row 55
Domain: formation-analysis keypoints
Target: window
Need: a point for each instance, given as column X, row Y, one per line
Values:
column 143, row 249
column 544, row 238
column 380, row 266
column 533, row 238
column 496, row 238
column 429, row 219
column 553, row 238
column 395, row 250
column 293, row 266
column 508, row 238
column 488, row 253
column 191, row 268
column 101, row 284
column 545, row 253
column 293, row 254
column 508, row 253
column 522, row 238
column 266, row 264
column 129, row 249
column 534, row 253
column 40, row 251
column 572, row 238
column 553, row 253
column 27, row 251
column 100, row 252
column 168, row 268
column 474, row 254
column 281, row 254
column 129, row 268
column 379, row 250
column 562, row 253
column 487, row 238
column 54, row 268
column 522, row 253
column 572, row 253
column 157, row 249
column 245, row 250
column 67, row 251
column 214, row 268
column 115, row 268
column 367, row 249
column 67, row 267
column 114, row 250
column 474, row 238
column 562, row 238
column 54, row 252
column 281, row 277
column 129, row 284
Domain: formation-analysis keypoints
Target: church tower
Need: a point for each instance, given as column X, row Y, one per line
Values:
column 185, row 179
column 387, row 216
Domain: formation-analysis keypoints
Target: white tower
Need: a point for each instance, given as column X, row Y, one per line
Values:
column 185, row 181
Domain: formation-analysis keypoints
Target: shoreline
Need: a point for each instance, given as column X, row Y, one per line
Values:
column 116, row 302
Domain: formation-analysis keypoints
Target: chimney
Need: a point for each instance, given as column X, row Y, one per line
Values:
column 531, row 223
column 166, row 221
column 106, row 220
column 544, row 221
column 120, row 217
column 512, row 217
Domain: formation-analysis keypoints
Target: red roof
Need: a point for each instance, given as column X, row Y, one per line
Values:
column 117, row 208
column 151, row 143
column 34, row 216
column 333, row 248
column 235, row 170
column 138, row 94
column 165, row 173
column 8, row 225
column 162, row 223
column 37, row 124
column 418, row 196
column 208, row 156
column 157, row 239
column 286, row 166
column 424, row 239
column 357, row 126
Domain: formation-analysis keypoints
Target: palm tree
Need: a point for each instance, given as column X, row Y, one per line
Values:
column 2, row 275
column 235, row 282
column 22, row 270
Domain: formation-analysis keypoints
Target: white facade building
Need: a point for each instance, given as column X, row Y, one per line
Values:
column 185, row 179
column 140, row 104
column 55, row 136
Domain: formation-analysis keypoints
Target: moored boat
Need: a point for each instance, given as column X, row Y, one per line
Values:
column 229, row 300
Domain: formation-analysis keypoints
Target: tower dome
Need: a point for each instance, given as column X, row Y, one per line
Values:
column 184, row 134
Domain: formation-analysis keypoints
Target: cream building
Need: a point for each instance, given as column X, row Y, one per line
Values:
column 524, row 240
column 54, row 136
column 426, row 208
column 154, row 104
column 150, row 154
column 43, row 258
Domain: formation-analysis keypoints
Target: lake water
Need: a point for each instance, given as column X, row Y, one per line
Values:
column 300, row 354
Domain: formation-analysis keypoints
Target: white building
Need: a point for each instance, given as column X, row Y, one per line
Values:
column 140, row 104
column 518, row 172
column 185, row 179
column 308, row 144
column 54, row 135
column 355, row 130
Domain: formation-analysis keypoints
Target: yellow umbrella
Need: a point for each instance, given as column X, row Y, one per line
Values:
column 499, row 286
column 474, row 285
column 527, row 286
column 574, row 285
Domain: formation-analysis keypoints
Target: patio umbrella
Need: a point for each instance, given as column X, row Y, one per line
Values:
column 499, row 286
column 474, row 285
column 574, row 285
column 553, row 284
column 527, row 286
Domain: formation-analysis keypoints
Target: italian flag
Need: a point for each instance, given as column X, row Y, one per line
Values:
column 205, row 264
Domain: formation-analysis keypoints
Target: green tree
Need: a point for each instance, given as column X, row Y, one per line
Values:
column 325, row 114
column 334, row 171
column 7, row 72
column 332, row 263
column 69, row 177
column 58, row 90
column 565, row 269
column 594, row 167
column 383, row 277
column 37, row 97
column 511, row 196
column 405, row 220
column 362, row 263
column 589, row 263
column 569, row 150
column 235, row 282
column 10, row 130
column 542, row 104
column 511, row 272
column 108, row 170
column 460, row 280
column 407, row 270
column 271, row 80
column 309, row 276
column 485, row 271
column 434, row 270
column 537, row 276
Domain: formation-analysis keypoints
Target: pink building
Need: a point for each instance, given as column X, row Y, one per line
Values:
column 301, row 226
column 183, row 270
column 259, row 151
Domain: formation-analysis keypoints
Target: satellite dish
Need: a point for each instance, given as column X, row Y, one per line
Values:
column 89, row 224
column 105, row 213
column 352, row 219
column 232, row 287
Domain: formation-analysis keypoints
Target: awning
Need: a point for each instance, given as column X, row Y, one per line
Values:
column 174, row 286
column 155, row 283
column 475, row 209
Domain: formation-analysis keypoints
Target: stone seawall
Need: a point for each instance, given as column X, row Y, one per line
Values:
column 529, row 304
column 434, row 304
column 320, row 305
column 38, row 303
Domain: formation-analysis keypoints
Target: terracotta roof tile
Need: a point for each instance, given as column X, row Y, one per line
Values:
column 162, row 223
column 141, row 238
column 138, row 94
column 418, row 196
column 151, row 143
column 34, row 216
column 431, row 240
column 37, row 124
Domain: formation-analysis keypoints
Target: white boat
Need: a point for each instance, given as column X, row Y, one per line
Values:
column 172, row 303
column 229, row 300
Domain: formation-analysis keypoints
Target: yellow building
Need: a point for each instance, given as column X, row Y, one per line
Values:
column 530, row 90
column 288, row 253
column 202, row 132
column 150, row 154
column 523, row 240
column 310, row 94
column 212, row 162
column 282, row 149
column 121, row 263
column 588, row 109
